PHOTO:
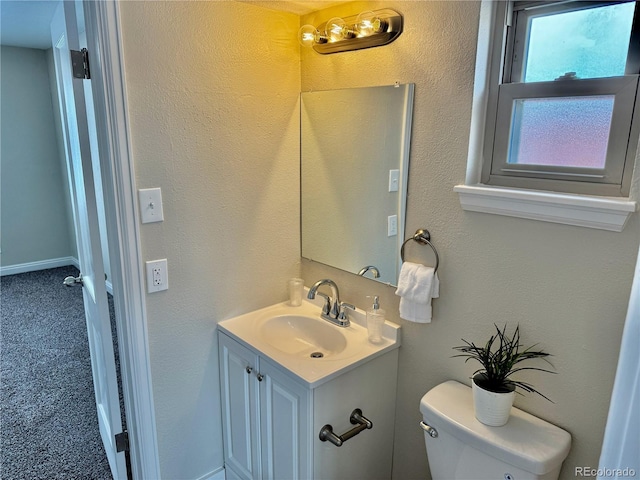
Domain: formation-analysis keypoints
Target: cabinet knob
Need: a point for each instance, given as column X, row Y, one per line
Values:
column 260, row 377
column 249, row 370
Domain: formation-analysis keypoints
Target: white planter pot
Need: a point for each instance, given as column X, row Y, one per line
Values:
column 492, row 408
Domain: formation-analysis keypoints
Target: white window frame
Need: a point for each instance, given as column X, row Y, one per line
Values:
column 532, row 201
column 506, row 87
column 614, row 179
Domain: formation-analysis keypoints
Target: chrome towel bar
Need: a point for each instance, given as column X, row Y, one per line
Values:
column 423, row 237
column 356, row 418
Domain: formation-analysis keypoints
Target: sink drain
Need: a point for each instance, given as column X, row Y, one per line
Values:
column 317, row 355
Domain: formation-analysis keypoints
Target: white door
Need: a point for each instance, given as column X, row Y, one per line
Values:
column 64, row 31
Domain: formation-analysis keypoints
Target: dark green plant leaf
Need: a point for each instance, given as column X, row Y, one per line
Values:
column 499, row 356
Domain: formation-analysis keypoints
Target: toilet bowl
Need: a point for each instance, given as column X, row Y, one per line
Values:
column 459, row 447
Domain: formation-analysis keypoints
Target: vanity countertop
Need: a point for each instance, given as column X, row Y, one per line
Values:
column 290, row 335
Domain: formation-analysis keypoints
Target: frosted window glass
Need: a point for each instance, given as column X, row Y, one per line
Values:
column 566, row 131
column 593, row 42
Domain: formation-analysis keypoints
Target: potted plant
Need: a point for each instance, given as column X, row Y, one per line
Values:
column 493, row 387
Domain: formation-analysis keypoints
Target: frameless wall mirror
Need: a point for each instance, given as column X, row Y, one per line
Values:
column 354, row 167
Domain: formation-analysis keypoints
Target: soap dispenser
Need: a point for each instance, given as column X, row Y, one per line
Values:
column 375, row 320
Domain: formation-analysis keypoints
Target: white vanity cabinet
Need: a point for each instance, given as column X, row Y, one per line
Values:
column 272, row 418
column 265, row 417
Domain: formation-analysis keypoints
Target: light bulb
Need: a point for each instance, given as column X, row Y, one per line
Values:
column 368, row 23
column 336, row 29
column 308, row 35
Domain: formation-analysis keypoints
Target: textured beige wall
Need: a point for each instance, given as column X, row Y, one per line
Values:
column 568, row 287
column 213, row 104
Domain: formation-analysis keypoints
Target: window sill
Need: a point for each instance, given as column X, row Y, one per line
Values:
column 604, row 213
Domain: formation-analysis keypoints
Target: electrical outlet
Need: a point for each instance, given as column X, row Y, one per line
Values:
column 392, row 225
column 157, row 275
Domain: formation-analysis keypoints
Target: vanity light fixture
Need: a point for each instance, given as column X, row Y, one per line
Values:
column 368, row 29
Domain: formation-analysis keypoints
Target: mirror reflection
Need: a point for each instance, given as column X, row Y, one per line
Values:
column 354, row 170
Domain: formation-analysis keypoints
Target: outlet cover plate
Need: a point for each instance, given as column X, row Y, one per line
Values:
column 392, row 225
column 157, row 275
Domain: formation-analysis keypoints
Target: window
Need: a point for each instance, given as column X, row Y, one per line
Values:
column 562, row 112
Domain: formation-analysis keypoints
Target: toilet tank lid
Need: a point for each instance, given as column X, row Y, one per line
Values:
column 526, row 442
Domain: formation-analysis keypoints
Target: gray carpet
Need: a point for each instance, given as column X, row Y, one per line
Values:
column 48, row 422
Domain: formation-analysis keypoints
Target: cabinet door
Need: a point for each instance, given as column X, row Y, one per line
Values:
column 240, row 411
column 285, row 420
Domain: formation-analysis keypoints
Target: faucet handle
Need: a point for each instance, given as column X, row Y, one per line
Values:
column 344, row 313
column 327, row 303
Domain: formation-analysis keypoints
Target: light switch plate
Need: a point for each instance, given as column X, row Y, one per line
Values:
column 150, row 205
column 394, row 180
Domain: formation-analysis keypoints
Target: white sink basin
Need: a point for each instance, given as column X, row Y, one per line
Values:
column 311, row 348
column 303, row 336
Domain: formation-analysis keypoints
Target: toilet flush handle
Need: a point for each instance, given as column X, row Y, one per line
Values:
column 429, row 429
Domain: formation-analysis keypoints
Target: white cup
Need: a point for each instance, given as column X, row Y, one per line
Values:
column 296, row 287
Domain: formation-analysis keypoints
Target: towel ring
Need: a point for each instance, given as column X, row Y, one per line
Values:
column 423, row 237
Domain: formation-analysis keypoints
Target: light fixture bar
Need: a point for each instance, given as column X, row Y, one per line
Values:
column 392, row 28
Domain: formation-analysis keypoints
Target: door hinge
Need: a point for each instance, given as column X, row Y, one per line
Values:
column 122, row 442
column 80, row 63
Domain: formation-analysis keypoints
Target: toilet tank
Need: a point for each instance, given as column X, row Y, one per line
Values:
column 526, row 448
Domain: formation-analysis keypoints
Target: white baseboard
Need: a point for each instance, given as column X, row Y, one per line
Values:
column 41, row 265
column 215, row 475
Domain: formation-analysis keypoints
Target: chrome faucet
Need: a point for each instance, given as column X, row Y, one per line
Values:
column 374, row 270
column 333, row 310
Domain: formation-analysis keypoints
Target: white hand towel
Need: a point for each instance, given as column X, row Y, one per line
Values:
column 417, row 285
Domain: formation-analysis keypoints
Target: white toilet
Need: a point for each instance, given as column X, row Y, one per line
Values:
column 459, row 447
